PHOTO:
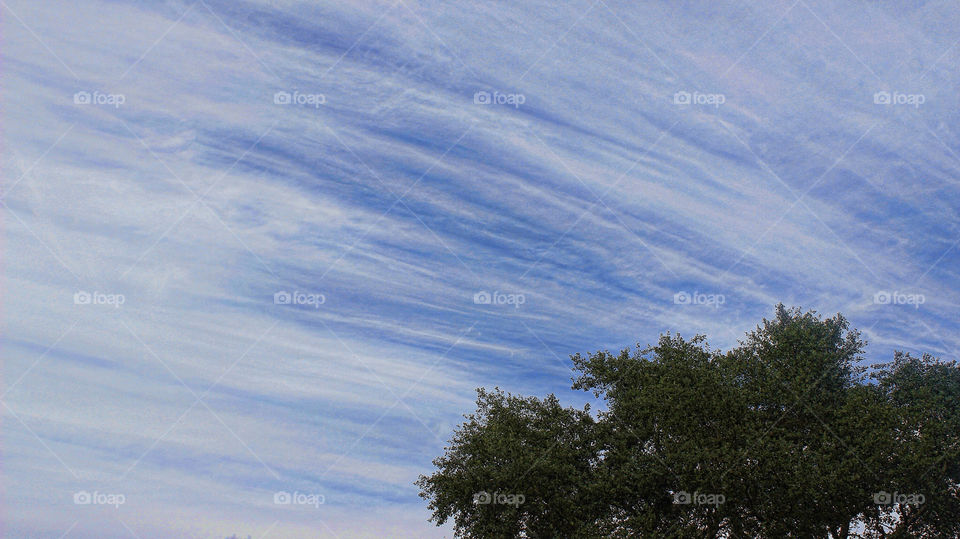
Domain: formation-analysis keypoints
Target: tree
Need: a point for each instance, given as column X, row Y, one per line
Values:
column 786, row 435
column 517, row 465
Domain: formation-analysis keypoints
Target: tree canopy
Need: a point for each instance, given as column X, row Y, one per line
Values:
column 786, row 435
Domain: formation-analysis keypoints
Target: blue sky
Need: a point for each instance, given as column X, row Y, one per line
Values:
column 604, row 170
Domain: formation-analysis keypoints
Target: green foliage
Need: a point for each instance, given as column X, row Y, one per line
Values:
column 514, row 447
column 783, row 436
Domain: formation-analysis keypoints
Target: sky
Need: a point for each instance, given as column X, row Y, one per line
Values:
column 258, row 255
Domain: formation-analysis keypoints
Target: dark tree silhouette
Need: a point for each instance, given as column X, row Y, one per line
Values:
column 784, row 436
